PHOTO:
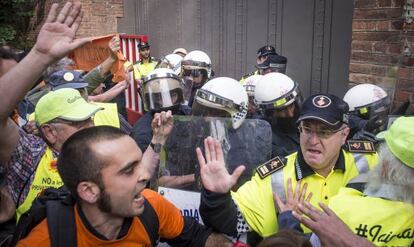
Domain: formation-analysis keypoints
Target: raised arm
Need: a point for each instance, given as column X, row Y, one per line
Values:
column 162, row 125
column 56, row 39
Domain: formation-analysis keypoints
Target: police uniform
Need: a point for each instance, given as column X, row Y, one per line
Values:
column 263, row 51
column 142, row 69
column 252, row 207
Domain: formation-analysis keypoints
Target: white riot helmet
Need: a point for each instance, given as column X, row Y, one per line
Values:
column 363, row 96
column 250, row 83
column 171, row 61
column 196, row 60
column 276, row 91
column 368, row 101
column 162, row 90
column 224, row 94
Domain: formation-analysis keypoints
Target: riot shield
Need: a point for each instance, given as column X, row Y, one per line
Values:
column 178, row 175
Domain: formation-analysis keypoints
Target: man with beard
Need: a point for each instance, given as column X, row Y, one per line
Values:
column 102, row 168
column 146, row 63
column 279, row 99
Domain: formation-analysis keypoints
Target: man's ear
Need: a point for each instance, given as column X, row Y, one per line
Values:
column 49, row 133
column 88, row 192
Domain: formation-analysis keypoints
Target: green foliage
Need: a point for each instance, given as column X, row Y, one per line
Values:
column 16, row 21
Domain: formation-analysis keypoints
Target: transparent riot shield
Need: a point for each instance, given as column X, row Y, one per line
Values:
column 179, row 176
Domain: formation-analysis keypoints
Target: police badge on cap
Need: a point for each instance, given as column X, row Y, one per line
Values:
column 324, row 107
column 321, row 101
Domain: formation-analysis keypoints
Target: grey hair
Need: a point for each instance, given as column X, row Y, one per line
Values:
column 391, row 178
column 59, row 65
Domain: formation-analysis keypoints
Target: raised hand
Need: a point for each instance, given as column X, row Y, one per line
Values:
column 214, row 175
column 114, row 45
column 161, row 124
column 293, row 198
column 57, row 36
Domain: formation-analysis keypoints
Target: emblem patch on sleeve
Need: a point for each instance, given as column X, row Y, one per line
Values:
column 356, row 146
column 270, row 167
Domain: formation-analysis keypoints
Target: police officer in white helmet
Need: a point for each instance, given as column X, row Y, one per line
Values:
column 369, row 107
column 196, row 71
column 279, row 99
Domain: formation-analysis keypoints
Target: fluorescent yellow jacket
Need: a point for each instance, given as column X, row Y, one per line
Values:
column 46, row 176
column 381, row 221
column 107, row 116
column 255, row 198
column 142, row 69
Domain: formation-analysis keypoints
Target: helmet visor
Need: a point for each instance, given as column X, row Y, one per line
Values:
column 281, row 102
column 162, row 93
column 211, row 99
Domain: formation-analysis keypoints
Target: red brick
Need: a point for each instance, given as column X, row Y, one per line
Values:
column 364, row 25
column 365, row 4
column 387, row 48
column 377, row 14
column 398, row 3
column 384, row 3
column 373, row 36
column 401, row 96
column 397, row 24
column 364, row 78
column 378, row 70
column 407, row 61
column 374, row 58
column 405, row 85
column 383, row 25
column 361, row 45
column 359, row 68
column 405, row 73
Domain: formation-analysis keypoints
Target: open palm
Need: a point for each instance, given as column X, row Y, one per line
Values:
column 214, row 175
column 57, row 36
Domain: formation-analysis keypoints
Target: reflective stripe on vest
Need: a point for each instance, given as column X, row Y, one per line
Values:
column 277, row 183
column 361, row 162
column 45, row 176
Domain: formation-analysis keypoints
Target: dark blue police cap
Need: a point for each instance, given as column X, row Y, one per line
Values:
column 327, row 108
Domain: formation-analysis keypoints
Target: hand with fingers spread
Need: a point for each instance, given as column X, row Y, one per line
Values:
column 162, row 124
column 57, row 36
column 330, row 229
column 293, row 198
column 214, row 175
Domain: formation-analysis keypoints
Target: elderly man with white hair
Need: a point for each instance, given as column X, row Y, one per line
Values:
column 383, row 213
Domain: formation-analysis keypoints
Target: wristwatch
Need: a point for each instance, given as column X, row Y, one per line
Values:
column 156, row 147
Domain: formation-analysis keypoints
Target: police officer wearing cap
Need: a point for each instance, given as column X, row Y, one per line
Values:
column 261, row 56
column 321, row 163
column 383, row 211
column 146, row 64
column 273, row 63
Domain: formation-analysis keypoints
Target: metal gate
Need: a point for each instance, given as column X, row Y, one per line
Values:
column 315, row 35
column 133, row 100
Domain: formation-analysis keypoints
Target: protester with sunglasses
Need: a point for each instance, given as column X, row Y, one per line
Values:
column 321, row 163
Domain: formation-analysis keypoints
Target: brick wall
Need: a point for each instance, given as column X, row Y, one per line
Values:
column 100, row 16
column 382, row 47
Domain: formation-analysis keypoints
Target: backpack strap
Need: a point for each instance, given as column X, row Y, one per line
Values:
column 61, row 223
column 150, row 221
